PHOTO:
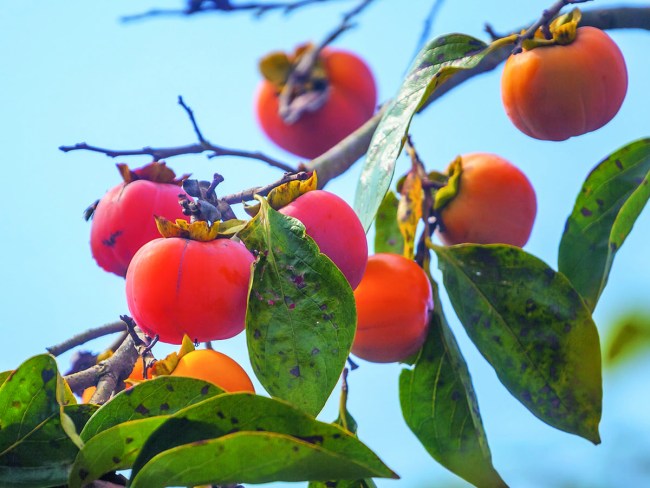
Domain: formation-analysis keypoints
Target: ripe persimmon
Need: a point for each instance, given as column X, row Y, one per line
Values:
column 560, row 91
column 335, row 228
column 341, row 95
column 494, row 203
column 394, row 302
column 177, row 286
column 215, row 367
column 123, row 220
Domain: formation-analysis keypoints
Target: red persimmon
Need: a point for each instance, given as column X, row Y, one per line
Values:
column 350, row 100
column 124, row 218
column 560, row 91
column 177, row 286
column 335, row 228
column 394, row 301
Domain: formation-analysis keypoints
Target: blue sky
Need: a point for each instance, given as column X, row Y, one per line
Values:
column 72, row 72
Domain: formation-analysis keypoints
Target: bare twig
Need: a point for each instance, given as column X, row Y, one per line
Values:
column 168, row 152
column 427, row 27
column 225, row 6
column 86, row 336
column 248, row 195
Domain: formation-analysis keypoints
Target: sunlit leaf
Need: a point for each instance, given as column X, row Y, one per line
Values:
column 438, row 60
column 609, row 203
column 388, row 238
column 628, row 338
column 439, row 405
column 301, row 315
column 533, row 328
column 159, row 396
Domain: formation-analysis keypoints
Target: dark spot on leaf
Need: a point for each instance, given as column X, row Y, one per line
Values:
column 455, row 396
column 295, row 371
column 555, row 403
column 295, row 448
column 112, row 239
column 524, row 367
column 47, row 375
column 525, row 395
column 299, row 281
column 164, row 407
column 600, row 203
column 221, row 415
column 141, row 409
column 169, row 387
column 336, row 436
column 586, row 212
column 128, row 440
column 531, row 306
column 312, row 439
column 260, row 429
column 292, row 306
column 116, row 460
column 83, row 474
column 270, row 303
column 613, row 246
column 550, row 274
column 129, row 392
column 619, row 164
column 323, row 306
column 234, row 420
column 497, row 339
column 524, row 331
column 16, row 404
column 257, row 334
column 234, row 430
column 567, row 328
column 331, row 484
column 327, row 316
column 205, row 390
column 315, row 351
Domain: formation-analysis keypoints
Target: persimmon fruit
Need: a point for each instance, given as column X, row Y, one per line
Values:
column 351, row 98
column 177, row 286
column 335, row 228
column 215, row 367
column 560, row 91
column 394, row 302
column 495, row 204
column 123, row 220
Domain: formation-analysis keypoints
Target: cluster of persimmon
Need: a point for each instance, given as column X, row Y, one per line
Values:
column 189, row 283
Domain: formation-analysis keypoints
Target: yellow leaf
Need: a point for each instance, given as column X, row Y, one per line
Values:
column 409, row 211
column 276, row 67
column 447, row 193
column 196, row 231
column 287, row 193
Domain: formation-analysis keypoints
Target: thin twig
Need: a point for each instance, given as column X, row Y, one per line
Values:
column 86, row 336
column 248, row 195
column 224, row 6
column 428, row 27
column 168, row 152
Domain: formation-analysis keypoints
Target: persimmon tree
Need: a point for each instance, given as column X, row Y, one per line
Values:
column 531, row 320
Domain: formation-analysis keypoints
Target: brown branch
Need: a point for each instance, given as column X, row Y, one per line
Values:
column 86, row 336
column 168, row 152
column 225, row 6
column 248, row 195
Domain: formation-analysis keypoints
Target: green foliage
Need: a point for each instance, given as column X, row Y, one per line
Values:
column 439, row 406
column 533, row 328
column 33, row 420
column 388, row 238
column 301, row 315
column 607, row 206
column 628, row 338
column 438, row 60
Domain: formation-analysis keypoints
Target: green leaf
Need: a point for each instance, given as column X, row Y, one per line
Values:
column 533, row 328
column 629, row 337
column 364, row 483
column 257, row 439
column 388, row 238
column 4, row 375
column 160, row 396
column 32, row 420
column 80, row 414
column 112, row 449
column 439, row 60
column 609, row 203
column 301, row 315
column 439, row 405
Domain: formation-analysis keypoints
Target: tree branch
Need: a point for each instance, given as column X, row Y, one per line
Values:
column 86, row 336
column 225, row 6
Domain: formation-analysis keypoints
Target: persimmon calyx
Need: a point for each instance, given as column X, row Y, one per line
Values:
column 166, row 367
column 447, row 193
column 199, row 230
column 300, row 80
column 286, row 193
column 563, row 31
column 156, row 171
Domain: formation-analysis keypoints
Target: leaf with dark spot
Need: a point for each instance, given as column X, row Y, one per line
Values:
column 439, row 60
column 615, row 192
column 561, row 383
column 282, row 444
column 388, row 237
column 284, row 323
column 439, row 405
